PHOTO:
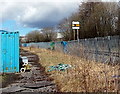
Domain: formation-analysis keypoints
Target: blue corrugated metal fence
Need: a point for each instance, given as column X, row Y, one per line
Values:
column 9, row 52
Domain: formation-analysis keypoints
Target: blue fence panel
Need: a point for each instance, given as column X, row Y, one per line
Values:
column 1, row 64
column 4, row 41
column 16, row 52
column 9, row 52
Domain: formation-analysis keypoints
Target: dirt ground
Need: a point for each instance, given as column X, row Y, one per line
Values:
column 6, row 79
column 35, row 80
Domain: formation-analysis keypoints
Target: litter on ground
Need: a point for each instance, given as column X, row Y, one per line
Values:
column 59, row 67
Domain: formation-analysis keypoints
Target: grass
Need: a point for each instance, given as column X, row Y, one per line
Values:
column 2, row 79
column 84, row 76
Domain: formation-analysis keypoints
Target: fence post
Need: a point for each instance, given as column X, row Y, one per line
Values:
column 84, row 48
column 118, row 48
column 109, row 49
column 96, row 49
column 103, row 50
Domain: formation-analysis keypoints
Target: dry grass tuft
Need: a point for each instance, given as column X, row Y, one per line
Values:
column 84, row 76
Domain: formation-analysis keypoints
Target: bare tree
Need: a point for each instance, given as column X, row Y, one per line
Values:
column 96, row 19
column 45, row 35
column 34, row 36
column 48, row 34
column 118, row 23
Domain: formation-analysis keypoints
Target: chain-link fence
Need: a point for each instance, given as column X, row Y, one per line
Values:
column 98, row 49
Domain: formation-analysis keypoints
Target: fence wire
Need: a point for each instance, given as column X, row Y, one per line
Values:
column 97, row 49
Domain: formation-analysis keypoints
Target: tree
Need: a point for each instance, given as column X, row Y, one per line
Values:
column 48, row 34
column 65, row 28
column 118, row 23
column 97, row 19
column 45, row 35
column 34, row 36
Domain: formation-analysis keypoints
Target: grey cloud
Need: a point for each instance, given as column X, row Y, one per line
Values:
column 39, row 14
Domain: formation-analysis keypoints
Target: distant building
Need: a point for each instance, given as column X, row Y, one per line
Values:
column 59, row 36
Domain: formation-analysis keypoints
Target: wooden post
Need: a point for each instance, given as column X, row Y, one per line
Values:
column 78, row 35
column 74, row 33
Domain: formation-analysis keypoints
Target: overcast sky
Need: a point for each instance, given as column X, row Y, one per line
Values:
column 37, row 13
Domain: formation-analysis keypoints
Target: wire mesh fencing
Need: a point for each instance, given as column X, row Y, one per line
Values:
column 98, row 49
column 105, row 50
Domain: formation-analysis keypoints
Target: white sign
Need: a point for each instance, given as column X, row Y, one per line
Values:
column 75, row 25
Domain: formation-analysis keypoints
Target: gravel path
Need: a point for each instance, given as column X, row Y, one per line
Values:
column 35, row 80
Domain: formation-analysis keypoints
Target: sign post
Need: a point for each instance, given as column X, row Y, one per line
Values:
column 74, row 33
column 76, row 26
